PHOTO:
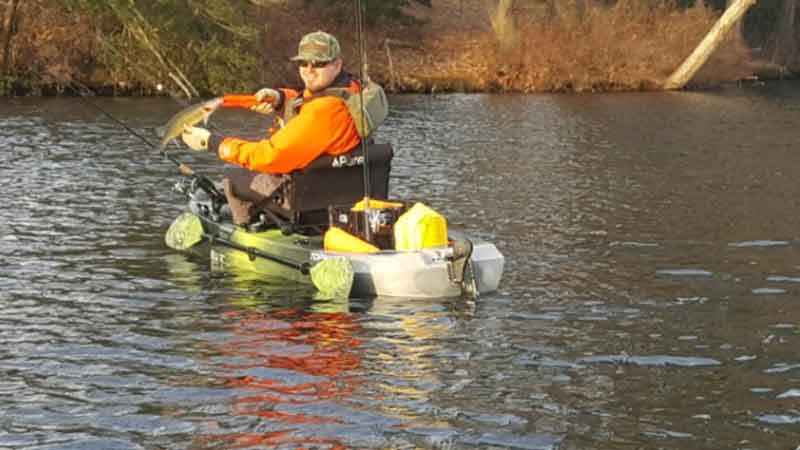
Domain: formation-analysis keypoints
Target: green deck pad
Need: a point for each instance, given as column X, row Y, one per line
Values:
column 186, row 231
column 333, row 278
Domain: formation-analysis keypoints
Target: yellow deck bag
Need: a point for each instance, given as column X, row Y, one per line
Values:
column 420, row 227
column 338, row 240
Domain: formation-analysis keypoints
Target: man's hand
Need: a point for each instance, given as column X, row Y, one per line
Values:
column 266, row 98
column 268, row 95
column 195, row 137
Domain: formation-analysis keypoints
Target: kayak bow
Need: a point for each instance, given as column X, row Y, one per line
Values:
column 333, row 277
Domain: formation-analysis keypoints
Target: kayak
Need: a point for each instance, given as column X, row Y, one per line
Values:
column 464, row 267
column 291, row 242
column 430, row 272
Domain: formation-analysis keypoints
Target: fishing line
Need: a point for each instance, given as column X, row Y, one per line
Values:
column 203, row 182
column 88, row 92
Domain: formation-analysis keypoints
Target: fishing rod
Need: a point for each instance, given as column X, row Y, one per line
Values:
column 203, row 182
column 362, row 56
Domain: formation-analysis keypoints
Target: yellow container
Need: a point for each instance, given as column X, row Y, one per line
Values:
column 420, row 227
column 376, row 204
column 338, row 240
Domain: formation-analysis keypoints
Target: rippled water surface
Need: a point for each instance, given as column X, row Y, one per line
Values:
column 651, row 297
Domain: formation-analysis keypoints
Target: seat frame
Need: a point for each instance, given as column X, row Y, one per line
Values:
column 301, row 204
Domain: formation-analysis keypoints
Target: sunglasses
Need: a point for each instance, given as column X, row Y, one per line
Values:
column 313, row 64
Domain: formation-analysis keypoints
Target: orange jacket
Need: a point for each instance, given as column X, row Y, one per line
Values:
column 323, row 125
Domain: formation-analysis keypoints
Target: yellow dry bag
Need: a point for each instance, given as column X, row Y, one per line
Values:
column 420, row 227
column 338, row 240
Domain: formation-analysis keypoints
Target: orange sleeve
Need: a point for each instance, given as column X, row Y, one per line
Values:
column 239, row 101
column 249, row 100
column 324, row 125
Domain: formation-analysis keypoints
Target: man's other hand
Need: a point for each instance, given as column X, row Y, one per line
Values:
column 195, row 137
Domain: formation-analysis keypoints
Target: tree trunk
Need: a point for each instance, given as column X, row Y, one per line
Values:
column 503, row 24
column 708, row 45
column 737, row 27
column 8, row 25
column 786, row 45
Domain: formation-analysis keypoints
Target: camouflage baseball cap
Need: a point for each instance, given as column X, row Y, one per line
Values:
column 317, row 46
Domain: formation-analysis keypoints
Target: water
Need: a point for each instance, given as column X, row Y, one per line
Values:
column 650, row 296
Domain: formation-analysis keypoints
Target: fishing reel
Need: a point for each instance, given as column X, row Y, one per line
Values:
column 186, row 186
column 199, row 188
column 204, row 199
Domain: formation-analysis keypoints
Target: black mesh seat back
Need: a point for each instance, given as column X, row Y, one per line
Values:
column 333, row 180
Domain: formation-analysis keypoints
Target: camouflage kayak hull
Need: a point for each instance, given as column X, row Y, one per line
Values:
column 431, row 272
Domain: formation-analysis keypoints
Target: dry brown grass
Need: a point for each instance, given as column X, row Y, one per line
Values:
column 628, row 46
column 52, row 44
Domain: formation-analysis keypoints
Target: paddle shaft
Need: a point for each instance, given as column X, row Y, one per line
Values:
column 254, row 252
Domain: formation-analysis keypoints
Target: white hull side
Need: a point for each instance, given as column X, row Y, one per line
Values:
column 419, row 274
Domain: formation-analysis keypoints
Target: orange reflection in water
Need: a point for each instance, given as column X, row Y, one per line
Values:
column 317, row 344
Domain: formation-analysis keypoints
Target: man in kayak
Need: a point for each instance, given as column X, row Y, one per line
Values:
column 317, row 122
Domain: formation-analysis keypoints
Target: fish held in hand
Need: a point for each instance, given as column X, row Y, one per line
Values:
column 190, row 115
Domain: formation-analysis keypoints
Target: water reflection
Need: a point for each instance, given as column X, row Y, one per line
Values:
column 287, row 368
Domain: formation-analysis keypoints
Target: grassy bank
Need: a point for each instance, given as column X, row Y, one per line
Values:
column 628, row 46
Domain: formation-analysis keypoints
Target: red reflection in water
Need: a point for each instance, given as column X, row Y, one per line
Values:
column 320, row 345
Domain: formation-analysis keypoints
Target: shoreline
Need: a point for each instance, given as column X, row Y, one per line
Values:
column 762, row 72
column 55, row 90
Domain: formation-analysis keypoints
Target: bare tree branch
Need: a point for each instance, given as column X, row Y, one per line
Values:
column 8, row 25
column 503, row 23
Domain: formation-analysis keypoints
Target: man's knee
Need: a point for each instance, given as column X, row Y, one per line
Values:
column 249, row 185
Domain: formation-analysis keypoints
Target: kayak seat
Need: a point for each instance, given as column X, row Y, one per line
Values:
column 302, row 201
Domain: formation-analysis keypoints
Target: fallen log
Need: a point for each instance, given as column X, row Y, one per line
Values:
column 708, row 45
